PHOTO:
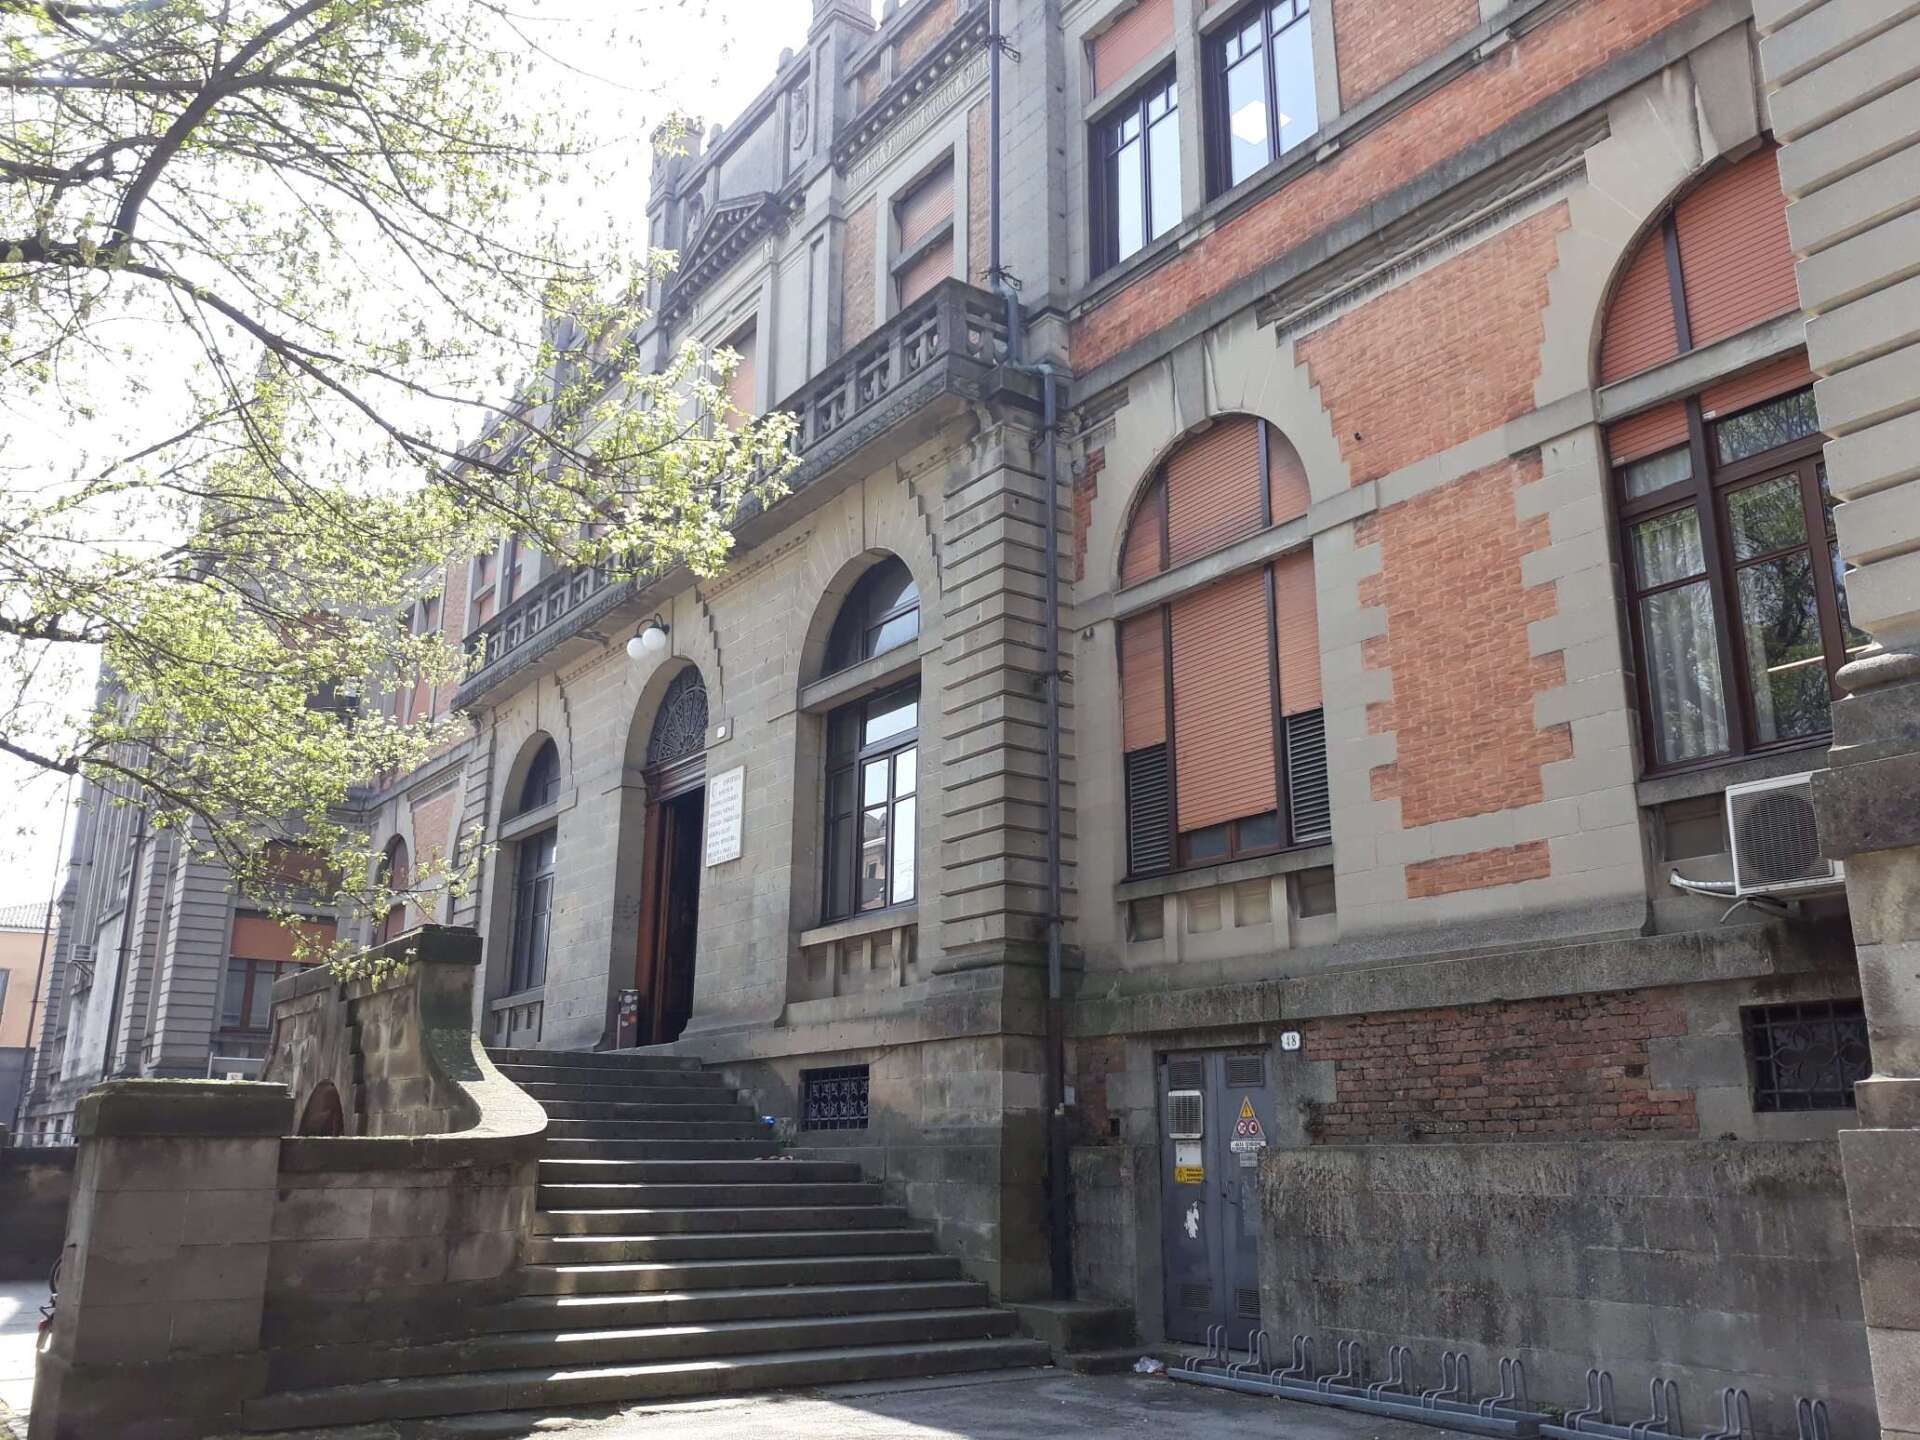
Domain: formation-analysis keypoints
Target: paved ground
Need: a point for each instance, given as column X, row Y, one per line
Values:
column 19, row 1316
column 1021, row 1405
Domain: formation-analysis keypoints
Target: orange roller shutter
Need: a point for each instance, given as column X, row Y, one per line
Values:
column 1223, row 703
column 1779, row 378
column 1640, row 331
column 1736, row 260
column 1131, row 39
column 1213, row 490
column 1286, row 479
column 1140, row 557
column 926, row 272
column 926, row 207
column 1143, row 681
column 1647, row 434
column 260, row 937
column 1297, row 625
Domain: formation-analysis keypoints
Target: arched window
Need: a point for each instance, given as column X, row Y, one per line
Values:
column 1735, row 590
column 881, row 612
column 1224, row 741
column 542, row 785
column 396, row 873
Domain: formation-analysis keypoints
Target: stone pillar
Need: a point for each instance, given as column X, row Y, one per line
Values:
column 1845, row 104
column 164, row 1274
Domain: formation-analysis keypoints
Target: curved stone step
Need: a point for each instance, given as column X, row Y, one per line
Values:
column 548, row 1388
column 560, row 1169
column 735, row 1110
column 594, row 1059
column 728, row 1218
column 707, row 1307
column 565, row 1147
column 726, row 1245
column 644, row 1275
column 639, row 1082
column 613, row 1196
column 656, row 1129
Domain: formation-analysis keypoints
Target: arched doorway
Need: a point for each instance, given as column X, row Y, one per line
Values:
column 676, row 781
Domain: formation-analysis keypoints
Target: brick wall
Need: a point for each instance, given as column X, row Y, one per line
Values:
column 979, row 240
column 1086, row 486
column 1561, row 1068
column 922, row 35
column 856, row 274
column 1533, row 69
column 1458, row 607
column 1449, row 355
column 1377, row 40
column 1482, row 870
column 1093, row 1061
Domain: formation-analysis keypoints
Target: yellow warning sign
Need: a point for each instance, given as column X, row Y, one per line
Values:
column 1189, row 1175
column 1246, row 1108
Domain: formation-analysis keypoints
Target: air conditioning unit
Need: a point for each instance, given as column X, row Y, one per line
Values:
column 234, row 1067
column 1776, row 839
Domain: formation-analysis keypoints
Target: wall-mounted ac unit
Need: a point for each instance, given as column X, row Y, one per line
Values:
column 1776, row 839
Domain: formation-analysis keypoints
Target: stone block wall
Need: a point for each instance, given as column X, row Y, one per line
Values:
column 35, row 1187
column 1715, row 1264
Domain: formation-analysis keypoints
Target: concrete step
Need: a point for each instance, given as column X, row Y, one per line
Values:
column 644, row 1082
column 595, row 1059
column 563, row 1147
column 563, row 1167
column 548, row 1388
column 530, row 1349
column 662, row 1129
column 718, row 1199
column 712, row 1307
column 543, row 1091
column 725, row 1245
column 731, row 1219
column 645, row 1275
column 729, row 1110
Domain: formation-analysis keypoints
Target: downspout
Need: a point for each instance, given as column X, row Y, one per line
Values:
column 1059, row 1221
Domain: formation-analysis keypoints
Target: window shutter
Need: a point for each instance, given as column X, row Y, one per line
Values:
column 1647, row 434
column 1213, row 490
column 1149, row 811
column 1736, row 260
column 1297, row 617
column 928, row 271
column 1143, row 681
column 926, row 207
column 1129, row 40
column 1286, row 479
column 1779, row 378
column 1640, row 332
column 1222, row 703
column 1140, row 556
column 1308, row 794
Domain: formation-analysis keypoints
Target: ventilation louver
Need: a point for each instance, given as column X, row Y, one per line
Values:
column 1185, row 1115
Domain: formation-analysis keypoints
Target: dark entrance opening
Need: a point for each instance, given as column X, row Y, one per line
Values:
column 676, row 780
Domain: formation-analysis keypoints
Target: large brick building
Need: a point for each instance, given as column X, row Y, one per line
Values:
column 1441, row 527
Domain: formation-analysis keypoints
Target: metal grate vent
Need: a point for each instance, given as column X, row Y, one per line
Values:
column 1807, row 1056
column 1308, row 795
column 834, row 1099
column 1187, row 1074
column 1196, row 1296
column 1186, row 1115
column 1246, row 1303
column 1776, row 837
column 1246, row 1072
column 1149, row 811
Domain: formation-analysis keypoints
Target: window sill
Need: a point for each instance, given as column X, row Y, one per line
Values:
column 874, row 922
column 531, row 821
column 535, row 996
column 857, row 682
column 1715, row 777
column 1228, row 872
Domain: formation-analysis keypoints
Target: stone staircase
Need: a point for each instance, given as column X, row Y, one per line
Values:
column 674, row 1255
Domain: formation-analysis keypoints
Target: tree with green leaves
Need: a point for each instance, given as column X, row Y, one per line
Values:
column 277, row 288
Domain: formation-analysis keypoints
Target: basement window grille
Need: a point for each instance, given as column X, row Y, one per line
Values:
column 1807, row 1056
column 834, row 1099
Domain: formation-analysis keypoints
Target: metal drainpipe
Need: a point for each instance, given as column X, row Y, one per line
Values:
column 1059, row 1227
column 126, row 942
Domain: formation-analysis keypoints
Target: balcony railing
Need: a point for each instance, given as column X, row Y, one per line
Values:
column 949, row 339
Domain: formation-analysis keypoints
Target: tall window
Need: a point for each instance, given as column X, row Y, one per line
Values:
column 1136, row 172
column 261, row 951
column 873, row 784
column 881, row 611
column 1261, row 97
column 1223, row 734
column 1735, row 582
column 924, row 217
column 533, row 877
column 396, row 873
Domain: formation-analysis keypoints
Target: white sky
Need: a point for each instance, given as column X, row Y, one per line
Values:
column 705, row 58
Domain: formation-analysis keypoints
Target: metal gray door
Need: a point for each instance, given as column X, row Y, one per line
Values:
column 1216, row 1114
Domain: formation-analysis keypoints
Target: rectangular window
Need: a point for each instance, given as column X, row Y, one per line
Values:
column 924, row 220
column 835, row 1099
column 533, row 910
column 873, row 806
column 743, row 384
column 1136, row 172
column 1735, row 587
column 1260, row 81
column 1808, row 1056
